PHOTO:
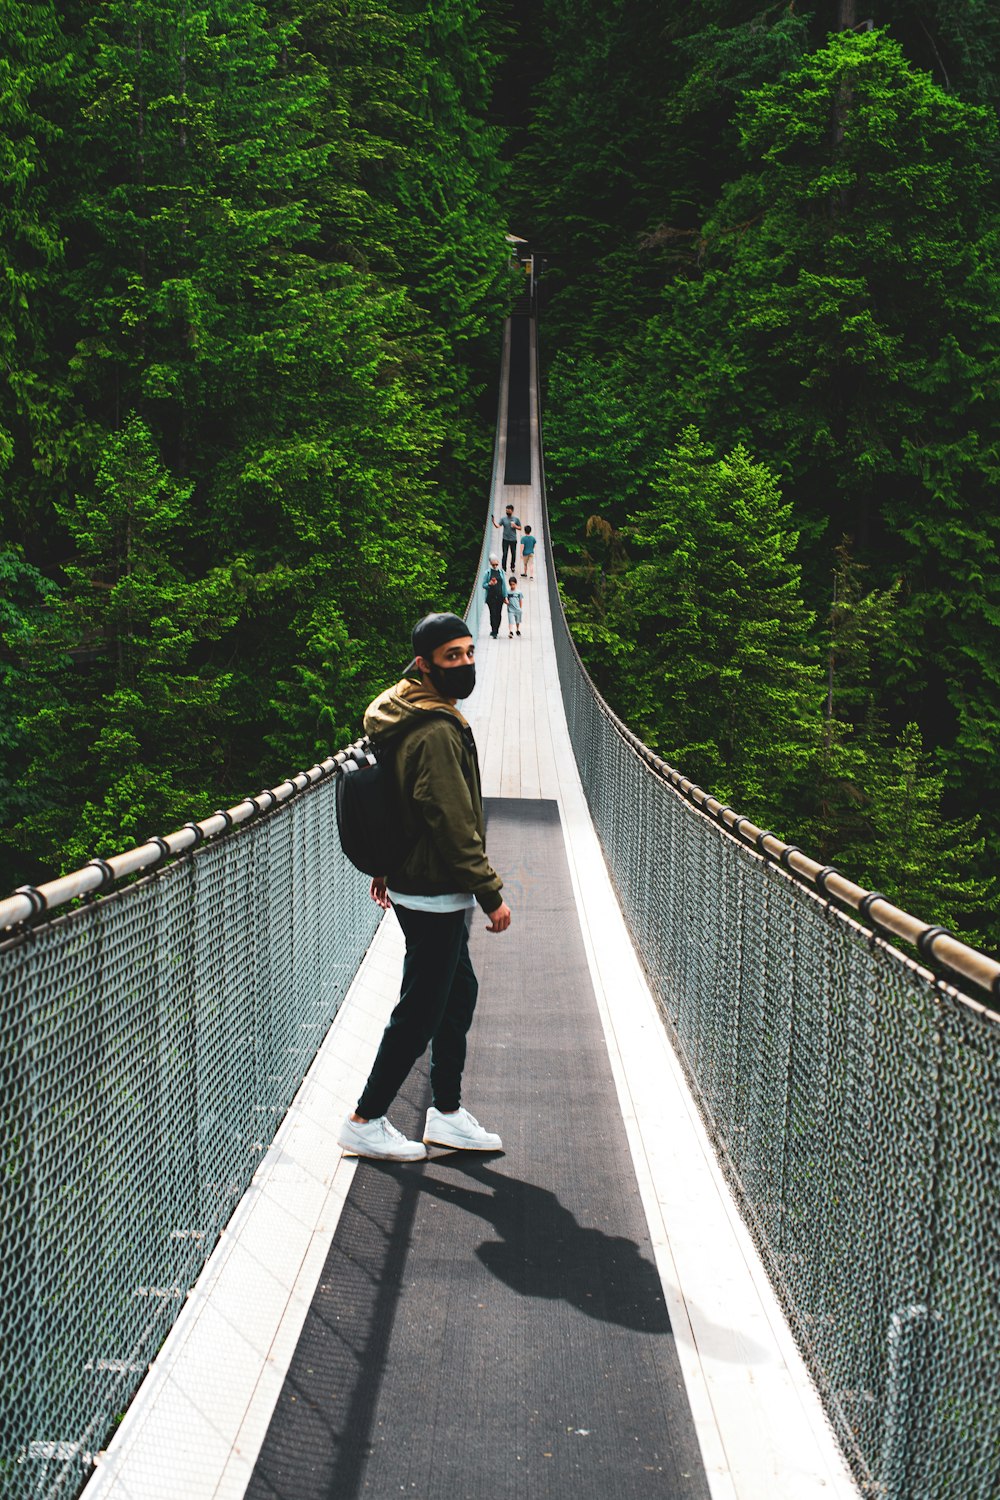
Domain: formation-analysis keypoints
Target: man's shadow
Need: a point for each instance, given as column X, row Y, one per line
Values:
column 543, row 1252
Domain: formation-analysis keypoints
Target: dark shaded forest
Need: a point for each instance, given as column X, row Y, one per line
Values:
column 770, row 329
column 254, row 277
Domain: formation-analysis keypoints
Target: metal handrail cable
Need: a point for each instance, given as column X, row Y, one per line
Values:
column 930, row 940
column 851, row 1095
column 29, row 903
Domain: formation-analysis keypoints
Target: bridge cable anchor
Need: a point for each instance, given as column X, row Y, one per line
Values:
column 927, row 939
column 39, row 905
column 107, row 877
column 164, row 854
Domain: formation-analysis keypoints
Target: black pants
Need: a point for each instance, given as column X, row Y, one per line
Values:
column 495, row 607
column 513, row 554
column 437, row 999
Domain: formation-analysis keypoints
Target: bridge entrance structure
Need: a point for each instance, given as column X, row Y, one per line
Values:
column 741, row 1238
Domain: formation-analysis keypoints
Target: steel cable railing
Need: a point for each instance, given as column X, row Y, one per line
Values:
column 853, row 1098
column 150, row 1043
column 152, row 1038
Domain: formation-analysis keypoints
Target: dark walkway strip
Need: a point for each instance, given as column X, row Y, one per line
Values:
column 517, row 461
column 494, row 1326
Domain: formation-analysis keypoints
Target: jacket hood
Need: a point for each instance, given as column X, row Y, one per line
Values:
column 392, row 713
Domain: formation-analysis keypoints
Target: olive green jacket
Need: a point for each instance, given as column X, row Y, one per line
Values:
column 437, row 777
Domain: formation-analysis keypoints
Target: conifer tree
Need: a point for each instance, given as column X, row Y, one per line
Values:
column 847, row 314
column 925, row 862
column 27, row 676
column 36, row 97
column 241, row 276
column 826, row 805
column 426, row 172
column 138, row 718
column 719, row 670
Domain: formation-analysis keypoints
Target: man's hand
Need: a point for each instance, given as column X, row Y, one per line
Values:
column 499, row 919
column 379, row 894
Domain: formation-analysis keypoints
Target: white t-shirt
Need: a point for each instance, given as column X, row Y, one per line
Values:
column 459, row 901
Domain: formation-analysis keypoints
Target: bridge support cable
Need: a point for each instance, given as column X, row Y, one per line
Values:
column 150, row 1043
column 152, row 1038
column 158, row 1012
column 851, row 1093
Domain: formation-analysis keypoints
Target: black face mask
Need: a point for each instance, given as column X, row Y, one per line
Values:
column 454, row 682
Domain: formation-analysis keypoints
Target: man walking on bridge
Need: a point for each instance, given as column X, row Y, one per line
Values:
column 417, row 728
column 510, row 525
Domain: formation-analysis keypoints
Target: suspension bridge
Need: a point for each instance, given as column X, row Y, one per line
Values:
column 743, row 1238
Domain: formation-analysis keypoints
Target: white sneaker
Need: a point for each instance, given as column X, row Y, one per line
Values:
column 460, row 1130
column 380, row 1139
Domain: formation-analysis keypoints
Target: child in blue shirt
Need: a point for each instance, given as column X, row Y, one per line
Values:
column 528, row 553
column 515, row 604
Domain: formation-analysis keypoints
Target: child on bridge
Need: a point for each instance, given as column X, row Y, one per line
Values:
column 515, row 605
column 528, row 553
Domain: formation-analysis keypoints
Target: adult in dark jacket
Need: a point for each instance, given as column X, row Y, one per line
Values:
column 495, row 589
column 438, row 883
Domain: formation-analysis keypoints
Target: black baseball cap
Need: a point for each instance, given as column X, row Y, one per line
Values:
column 432, row 631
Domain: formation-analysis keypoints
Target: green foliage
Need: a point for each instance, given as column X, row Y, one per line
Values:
column 609, row 471
column 719, row 672
column 843, row 309
column 34, row 71
column 956, row 41
column 853, row 314
column 924, row 862
column 801, row 258
column 137, row 720
column 253, row 270
column 263, row 268
column 860, row 623
column 831, row 796
column 25, row 675
column 723, row 50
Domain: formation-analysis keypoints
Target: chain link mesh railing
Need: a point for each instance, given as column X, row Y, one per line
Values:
column 152, row 1040
column 852, row 1097
column 150, row 1044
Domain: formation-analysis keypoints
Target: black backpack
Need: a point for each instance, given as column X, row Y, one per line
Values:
column 369, row 818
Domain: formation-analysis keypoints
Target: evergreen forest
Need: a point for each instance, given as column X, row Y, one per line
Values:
column 254, row 276
column 255, row 270
column 771, row 328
